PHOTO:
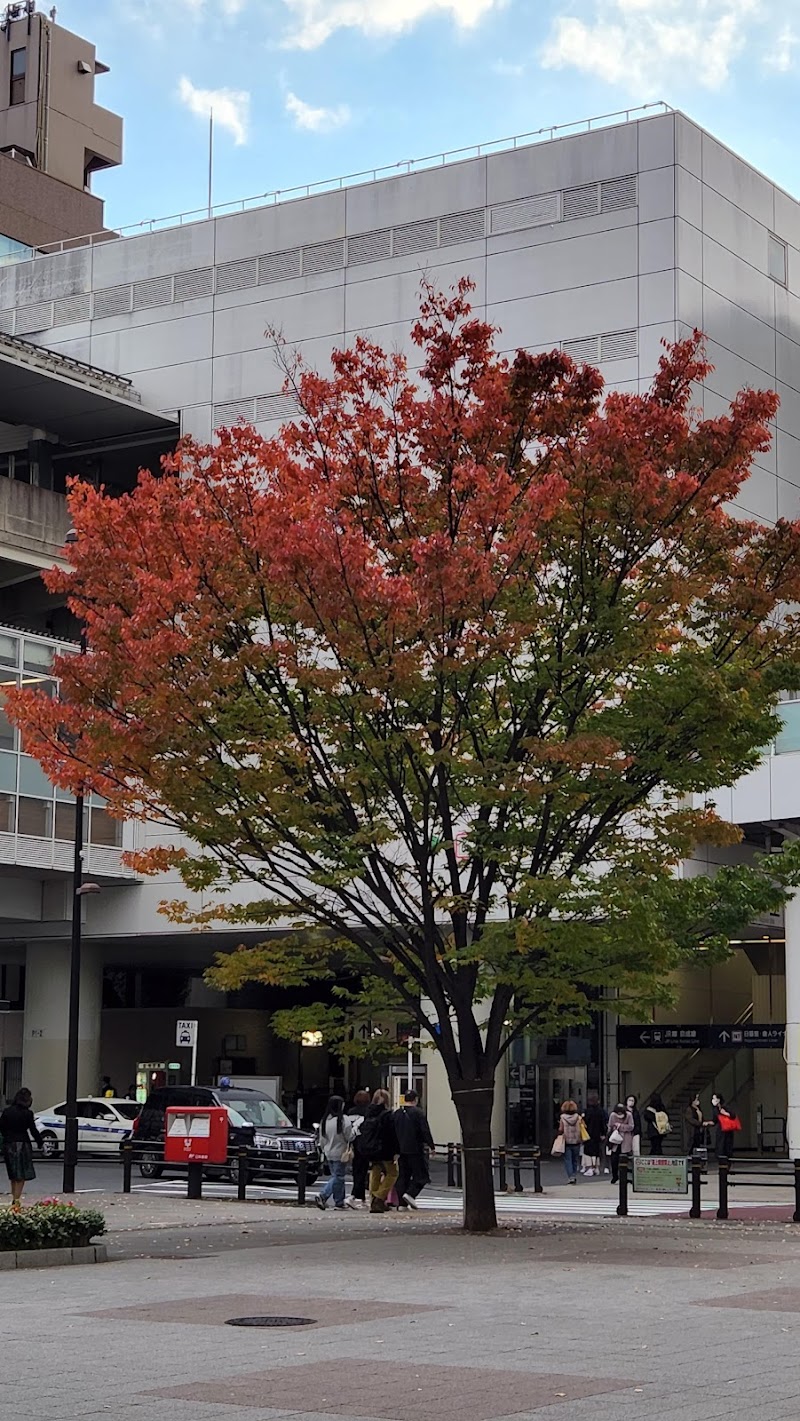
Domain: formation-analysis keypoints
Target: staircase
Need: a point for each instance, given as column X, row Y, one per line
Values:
column 694, row 1075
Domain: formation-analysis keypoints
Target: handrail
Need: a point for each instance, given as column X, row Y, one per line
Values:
column 367, row 175
column 744, row 1016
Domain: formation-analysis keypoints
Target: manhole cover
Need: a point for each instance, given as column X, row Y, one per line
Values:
column 271, row 1321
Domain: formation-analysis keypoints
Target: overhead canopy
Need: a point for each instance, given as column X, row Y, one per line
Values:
column 66, row 398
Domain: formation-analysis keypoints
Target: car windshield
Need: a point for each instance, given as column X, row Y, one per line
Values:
column 128, row 1109
column 256, row 1111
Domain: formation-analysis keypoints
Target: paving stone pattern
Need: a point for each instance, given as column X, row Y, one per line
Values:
column 607, row 1321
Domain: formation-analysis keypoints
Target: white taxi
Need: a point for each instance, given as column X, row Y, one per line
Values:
column 102, row 1125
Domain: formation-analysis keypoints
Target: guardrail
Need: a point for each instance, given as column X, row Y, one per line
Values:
column 506, row 1159
column 746, row 1176
column 239, row 1162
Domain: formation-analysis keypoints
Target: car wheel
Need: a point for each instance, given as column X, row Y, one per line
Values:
column 150, row 1166
column 49, row 1145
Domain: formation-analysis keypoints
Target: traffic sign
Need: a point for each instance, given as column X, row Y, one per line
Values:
column 722, row 1037
column 186, row 1033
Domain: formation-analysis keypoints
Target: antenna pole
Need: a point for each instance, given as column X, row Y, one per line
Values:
column 210, row 156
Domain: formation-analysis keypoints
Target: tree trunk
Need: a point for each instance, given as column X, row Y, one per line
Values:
column 473, row 1101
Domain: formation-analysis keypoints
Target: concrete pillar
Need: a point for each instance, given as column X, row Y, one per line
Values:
column 44, row 1049
column 792, row 1049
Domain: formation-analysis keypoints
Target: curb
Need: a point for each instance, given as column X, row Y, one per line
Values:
column 53, row 1257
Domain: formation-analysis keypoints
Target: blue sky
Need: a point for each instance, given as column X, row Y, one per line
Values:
column 309, row 89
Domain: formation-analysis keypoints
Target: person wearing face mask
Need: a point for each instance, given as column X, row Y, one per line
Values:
column 693, row 1126
column 725, row 1138
column 637, row 1124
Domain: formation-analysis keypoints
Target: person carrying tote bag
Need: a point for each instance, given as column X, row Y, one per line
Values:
column 569, row 1130
column 620, row 1137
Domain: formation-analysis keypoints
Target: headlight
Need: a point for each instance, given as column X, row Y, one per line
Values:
column 265, row 1142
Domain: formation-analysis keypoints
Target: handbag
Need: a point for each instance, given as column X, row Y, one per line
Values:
column 584, row 1132
column 615, row 1138
column 559, row 1146
column 729, row 1123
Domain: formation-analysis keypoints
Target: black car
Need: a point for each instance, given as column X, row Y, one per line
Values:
column 254, row 1120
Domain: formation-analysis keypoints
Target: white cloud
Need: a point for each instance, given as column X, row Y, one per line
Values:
column 314, row 21
column 781, row 57
column 316, row 120
column 642, row 45
column 231, row 107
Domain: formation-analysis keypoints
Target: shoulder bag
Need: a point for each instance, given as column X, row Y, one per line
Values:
column 559, row 1146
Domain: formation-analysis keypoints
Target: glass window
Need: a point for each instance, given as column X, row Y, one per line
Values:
column 19, row 65
column 105, row 830
column 35, row 818
column 777, row 259
column 9, row 649
column 32, row 778
column 789, row 738
column 8, row 773
column 7, row 808
column 8, row 734
column 65, row 821
column 38, row 656
column 127, row 1109
column 259, row 1110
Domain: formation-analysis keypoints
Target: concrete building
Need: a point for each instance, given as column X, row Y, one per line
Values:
column 606, row 240
column 53, row 136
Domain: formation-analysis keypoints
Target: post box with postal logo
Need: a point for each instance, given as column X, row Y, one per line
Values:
column 196, row 1134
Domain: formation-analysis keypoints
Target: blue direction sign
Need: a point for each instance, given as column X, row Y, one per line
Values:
column 753, row 1036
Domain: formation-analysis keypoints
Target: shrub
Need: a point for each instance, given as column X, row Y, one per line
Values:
column 49, row 1224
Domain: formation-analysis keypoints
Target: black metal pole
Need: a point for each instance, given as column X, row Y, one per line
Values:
column 127, row 1165
column 515, row 1163
column 195, row 1183
column 71, row 1101
column 724, row 1167
column 537, row 1171
column 502, row 1180
column 241, row 1173
column 302, row 1178
column 451, row 1166
column 697, row 1179
column 459, row 1177
column 622, row 1207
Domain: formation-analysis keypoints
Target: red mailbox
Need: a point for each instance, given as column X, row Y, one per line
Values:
column 196, row 1134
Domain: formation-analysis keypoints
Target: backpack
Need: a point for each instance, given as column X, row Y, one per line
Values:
column 370, row 1137
column 662, row 1122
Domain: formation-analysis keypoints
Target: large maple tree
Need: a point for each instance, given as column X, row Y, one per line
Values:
column 441, row 679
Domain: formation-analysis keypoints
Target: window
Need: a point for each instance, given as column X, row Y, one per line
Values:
column 7, row 803
column 105, row 830
column 777, row 259
column 35, row 818
column 19, row 65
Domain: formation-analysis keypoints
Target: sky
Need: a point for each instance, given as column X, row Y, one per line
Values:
column 307, row 90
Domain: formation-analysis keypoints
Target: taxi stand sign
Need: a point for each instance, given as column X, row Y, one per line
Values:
column 196, row 1135
column 654, row 1174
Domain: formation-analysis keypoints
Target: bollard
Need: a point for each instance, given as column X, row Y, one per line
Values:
column 302, row 1178
column 622, row 1207
column 195, row 1187
column 241, row 1172
column 127, row 1166
column 451, row 1166
column 724, row 1170
column 516, row 1170
column 502, row 1181
column 459, row 1175
column 537, row 1171
column 697, row 1179
column 796, row 1214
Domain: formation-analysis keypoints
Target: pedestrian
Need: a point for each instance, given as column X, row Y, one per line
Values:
column 378, row 1138
column 596, row 1122
column 106, row 1089
column 693, row 1125
column 637, row 1124
column 657, row 1121
column 726, row 1134
column 620, row 1137
column 17, row 1125
column 336, row 1136
column 569, row 1125
column 356, row 1114
column 415, row 1143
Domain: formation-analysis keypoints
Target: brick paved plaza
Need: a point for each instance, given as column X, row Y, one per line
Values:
column 595, row 1321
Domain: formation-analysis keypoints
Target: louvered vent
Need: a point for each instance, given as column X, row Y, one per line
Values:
column 236, row 276
column 156, row 291
column 278, row 266
column 280, row 406
column 619, row 345
column 584, row 348
column 324, row 256
column 234, row 410
column 580, row 202
column 462, row 227
column 369, row 247
column 415, row 237
column 191, row 284
column 71, row 308
column 6, row 322
column 618, row 193
column 114, row 301
column 527, row 212
column 34, row 318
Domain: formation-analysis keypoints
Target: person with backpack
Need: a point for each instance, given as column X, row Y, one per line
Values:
column 356, row 1114
column 657, row 1121
column 336, row 1135
column 378, row 1139
column 415, row 1143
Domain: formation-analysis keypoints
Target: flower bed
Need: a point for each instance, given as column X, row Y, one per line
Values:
column 48, row 1224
